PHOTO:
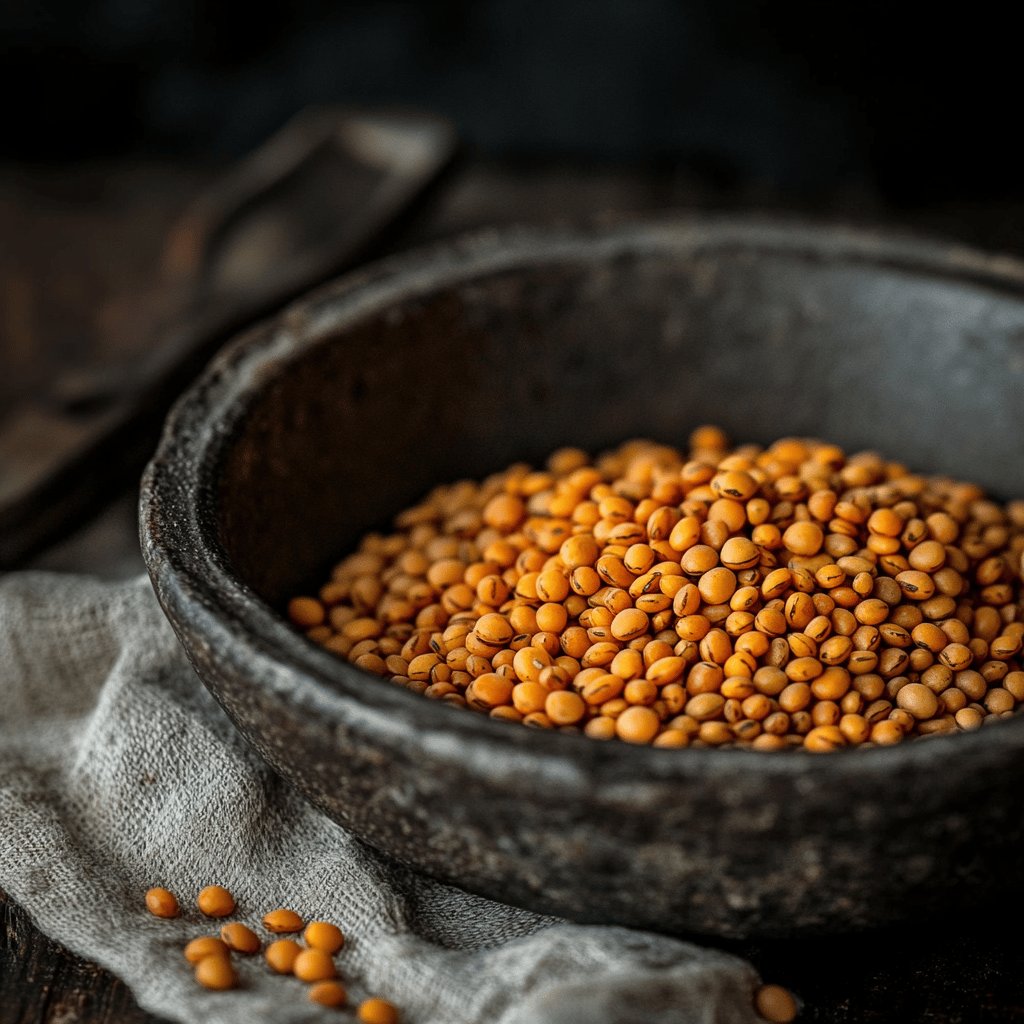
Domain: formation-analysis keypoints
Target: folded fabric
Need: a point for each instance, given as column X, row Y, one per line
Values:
column 119, row 772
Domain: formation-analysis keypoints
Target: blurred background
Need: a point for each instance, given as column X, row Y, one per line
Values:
column 119, row 113
column 804, row 99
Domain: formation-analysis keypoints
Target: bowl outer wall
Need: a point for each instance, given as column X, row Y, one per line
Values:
column 726, row 842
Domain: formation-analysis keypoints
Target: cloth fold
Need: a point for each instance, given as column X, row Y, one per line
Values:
column 118, row 772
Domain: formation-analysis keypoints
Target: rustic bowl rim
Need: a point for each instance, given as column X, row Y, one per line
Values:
column 194, row 581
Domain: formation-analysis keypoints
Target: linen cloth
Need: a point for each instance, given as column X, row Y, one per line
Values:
column 118, row 772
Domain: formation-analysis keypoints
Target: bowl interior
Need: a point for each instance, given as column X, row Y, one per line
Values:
column 469, row 367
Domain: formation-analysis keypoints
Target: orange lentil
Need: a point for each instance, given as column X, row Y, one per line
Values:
column 377, row 1011
column 629, row 623
column 564, row 707
column 804, row 538
column 282, row 921
column 216, row 901
column 324, row 936
column 216, row 972
column 162, row 902
column 824, row 738
column 328, row 993
column 240, row 938
column 637, row 725
column 313, row 965
column 306, row 612
column 488, row 691
column 205, row 945
column 282, row 954
column 775, row 1004
column 788, row 596
column 504, row 512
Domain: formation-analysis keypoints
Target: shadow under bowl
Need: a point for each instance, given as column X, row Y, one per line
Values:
column 319, row 425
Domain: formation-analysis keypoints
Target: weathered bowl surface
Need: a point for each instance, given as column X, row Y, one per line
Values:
column 309, row 430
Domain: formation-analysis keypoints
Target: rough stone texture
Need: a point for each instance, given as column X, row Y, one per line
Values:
column 309, row 430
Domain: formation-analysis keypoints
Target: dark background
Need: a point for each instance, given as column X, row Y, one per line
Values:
column 804, row 100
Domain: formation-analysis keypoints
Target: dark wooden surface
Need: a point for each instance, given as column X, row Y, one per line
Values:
column 78, row 263
column 79, row 258
column 42, row 983
column 952, row 971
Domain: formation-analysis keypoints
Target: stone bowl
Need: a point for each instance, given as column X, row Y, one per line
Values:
column 314, row 427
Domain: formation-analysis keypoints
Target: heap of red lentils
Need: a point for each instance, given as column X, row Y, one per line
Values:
column 779, row 597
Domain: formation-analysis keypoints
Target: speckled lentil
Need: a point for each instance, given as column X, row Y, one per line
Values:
column 771, row 598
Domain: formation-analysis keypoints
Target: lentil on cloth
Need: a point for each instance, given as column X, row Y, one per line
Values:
column 162, row 903
column 215, row 901
column 771, row 598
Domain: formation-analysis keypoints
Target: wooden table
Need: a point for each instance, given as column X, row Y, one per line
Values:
column 78, row 243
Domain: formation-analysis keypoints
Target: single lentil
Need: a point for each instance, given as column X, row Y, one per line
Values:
column 216, row 901
column 377, row 1011
column 162, row 902
column 205, row 945
column 771, row 598
column 216, row 972
column 313, row 965
column 281, row 955
column 328, row 993
column 282, row 921
column 240, row 938
column 776, row 1004
column 323, row 936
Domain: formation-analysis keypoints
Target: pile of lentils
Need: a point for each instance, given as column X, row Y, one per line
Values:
column 771, row 598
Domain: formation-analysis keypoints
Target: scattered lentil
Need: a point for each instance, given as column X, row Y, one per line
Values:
column 216, row 901
column 328, row 993
column 282, row 921
column 313, row 965
column 323, row 936
column 162, row 902
column 205, row 945
column 240, row 938
column 377, row 1011
column 776, row 1004
column 216, row 972
column 772, row 598
column 281, row 955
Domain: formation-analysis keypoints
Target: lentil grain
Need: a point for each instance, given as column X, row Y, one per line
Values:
column 377, row 1011
column 281, row 955
column 162, row 902
column 215, row 901
column 324, row 936
column 775, row 1004
column 313, row 965
column 282, row 921
column 328, row 993
column 216, row 972
column 205, row 945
